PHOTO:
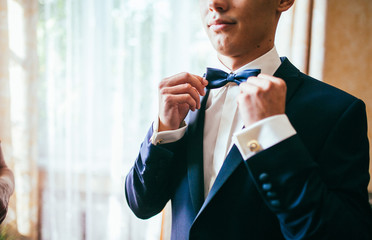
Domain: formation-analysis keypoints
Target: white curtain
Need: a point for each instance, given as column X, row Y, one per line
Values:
column 18, row 113
column 301, row 34
column 100, row 65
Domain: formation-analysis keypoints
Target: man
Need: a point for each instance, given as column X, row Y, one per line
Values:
column 281, row 156
column 6, row 186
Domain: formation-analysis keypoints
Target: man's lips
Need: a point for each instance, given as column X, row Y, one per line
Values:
column 220, row 24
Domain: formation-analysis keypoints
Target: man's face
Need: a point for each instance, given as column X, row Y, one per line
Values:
column 238, row 27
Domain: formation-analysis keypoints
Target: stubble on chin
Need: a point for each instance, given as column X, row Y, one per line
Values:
column 221, row 44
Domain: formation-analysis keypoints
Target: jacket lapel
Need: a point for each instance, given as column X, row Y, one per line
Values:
column 195, row 154
column 290, row 75
column 232, row 161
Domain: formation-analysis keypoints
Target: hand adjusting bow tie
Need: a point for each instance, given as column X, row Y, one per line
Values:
column 218, row 78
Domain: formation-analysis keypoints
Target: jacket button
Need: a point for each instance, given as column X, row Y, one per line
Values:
column 263, row 177
column 266, row 186
column 271, row 194
column 275, row 203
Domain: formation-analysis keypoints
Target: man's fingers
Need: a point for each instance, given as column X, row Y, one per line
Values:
column 195, row 81
column 249, row 87
column 173, row 100
column 266, row 82
column 182, row 89
column 269, row 77
column 177, row 95
column 260, row 97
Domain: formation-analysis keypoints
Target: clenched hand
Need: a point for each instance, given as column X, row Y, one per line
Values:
column 261, row 97
column 177, row 95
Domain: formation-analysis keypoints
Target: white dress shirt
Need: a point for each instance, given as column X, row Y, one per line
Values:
column 225, row 125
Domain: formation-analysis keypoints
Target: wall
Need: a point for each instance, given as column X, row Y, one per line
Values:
column 348, row 51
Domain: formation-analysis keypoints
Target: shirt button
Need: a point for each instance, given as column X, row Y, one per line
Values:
column 253, row 146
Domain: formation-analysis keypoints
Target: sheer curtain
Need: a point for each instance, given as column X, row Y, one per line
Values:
column 300, row 36
column 100, row 65
column 18, row 109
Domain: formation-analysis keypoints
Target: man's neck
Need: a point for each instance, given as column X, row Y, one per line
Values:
column 235, row 62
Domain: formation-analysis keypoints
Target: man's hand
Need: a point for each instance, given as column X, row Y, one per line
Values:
column 177, row 95
column 261, row 97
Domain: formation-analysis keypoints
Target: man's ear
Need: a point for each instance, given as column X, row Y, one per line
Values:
column 284, row 5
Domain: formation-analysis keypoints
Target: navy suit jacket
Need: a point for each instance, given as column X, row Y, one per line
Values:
column 312, row 185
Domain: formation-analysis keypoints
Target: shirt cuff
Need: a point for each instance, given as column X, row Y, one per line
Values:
column 263, row 134
column 167, row 136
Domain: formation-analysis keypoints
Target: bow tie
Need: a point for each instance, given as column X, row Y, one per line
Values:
column 218, row 78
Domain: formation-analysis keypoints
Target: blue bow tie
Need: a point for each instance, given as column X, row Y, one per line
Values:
column 218, row 78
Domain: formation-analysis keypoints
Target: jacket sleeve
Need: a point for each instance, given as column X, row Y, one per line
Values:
column 150, row 182
column 323, row 197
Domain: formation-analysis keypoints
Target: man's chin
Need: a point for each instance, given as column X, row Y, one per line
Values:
column 222, row 46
